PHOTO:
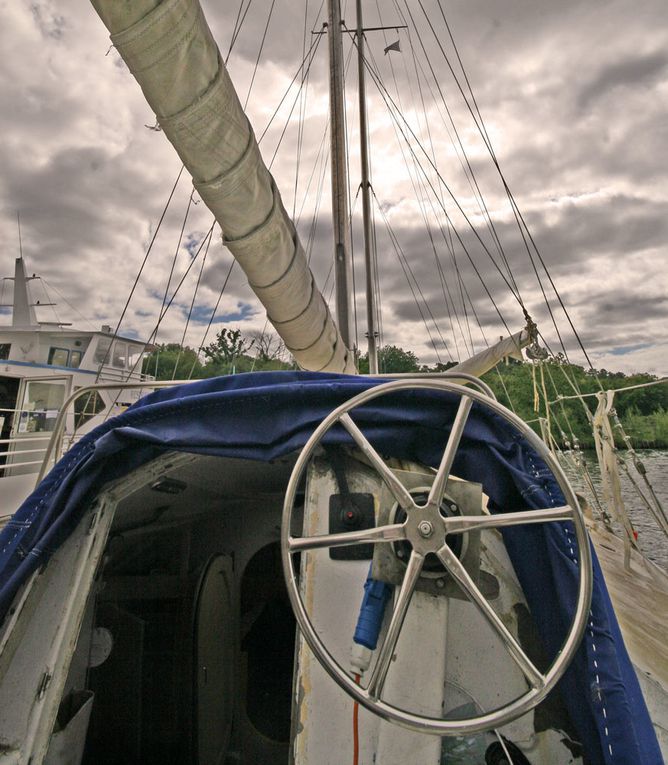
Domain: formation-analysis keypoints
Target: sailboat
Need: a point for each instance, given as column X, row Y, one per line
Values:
column 304, row 567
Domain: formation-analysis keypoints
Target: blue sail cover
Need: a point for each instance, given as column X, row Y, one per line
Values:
column 266, row 415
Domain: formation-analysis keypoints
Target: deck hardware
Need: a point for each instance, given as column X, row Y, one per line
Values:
column 168, row 485
column 43, row 684
column 426, row 529
column 95, row 517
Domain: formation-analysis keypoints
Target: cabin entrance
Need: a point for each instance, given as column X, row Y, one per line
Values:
column 36, row 402
column 9, row 388
column 193, row 599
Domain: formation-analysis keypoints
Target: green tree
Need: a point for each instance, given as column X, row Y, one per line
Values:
column 172, row 362
column 392, row 359
column 222, row 356
column 229, row 354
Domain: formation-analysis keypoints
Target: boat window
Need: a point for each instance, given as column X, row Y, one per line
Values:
column 59, row 357
column 86, row 407
column 41, row 404
column 119, row 354
column 4, row 350
column 75, row 359
column 134, row 354
column 102, row 350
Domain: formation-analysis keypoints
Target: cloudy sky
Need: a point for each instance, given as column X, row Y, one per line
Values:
column 574, row 97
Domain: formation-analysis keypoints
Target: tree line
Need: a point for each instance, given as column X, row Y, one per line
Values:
column 520, row 386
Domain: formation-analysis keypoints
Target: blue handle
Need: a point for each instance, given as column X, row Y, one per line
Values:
column 370, row 619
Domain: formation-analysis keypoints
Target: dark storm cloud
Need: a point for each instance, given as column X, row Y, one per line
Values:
column 616, row 227
column 50, row 24
column 627, row 307
column 642, row 71
column 284, row 26
column 613, row 227
column 573, row 242
column 572, row 94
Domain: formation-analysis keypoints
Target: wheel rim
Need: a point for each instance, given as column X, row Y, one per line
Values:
column 422, row 529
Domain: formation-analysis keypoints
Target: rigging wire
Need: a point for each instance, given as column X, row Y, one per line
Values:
column 192, row 305
column 477, row 191
column 424, row 216
column 139, row 273
column 406, row 267
column 259, row 53
column 171, row 271
column 319, row 161
column 292, row 108
column 445, row 288
column 318, row 201
column 65, row 300
column 350, row 215
column 161, row 317
column 464, row 153
column 302, row 112
column 521, row 222
column 459, row 150
column 48, row 300
column 177, row 289
column 310, row 53
column 394, row 112
column 376, row 281
column 421, row 204
column 352, row 253
column 462, row 285
column 211, row 318
column 237, row 27
column 519, row 218
column 262, row 334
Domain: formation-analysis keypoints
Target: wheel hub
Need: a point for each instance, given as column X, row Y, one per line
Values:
column 426, row 530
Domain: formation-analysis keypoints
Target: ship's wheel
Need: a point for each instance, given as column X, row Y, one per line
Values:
column 426, row 530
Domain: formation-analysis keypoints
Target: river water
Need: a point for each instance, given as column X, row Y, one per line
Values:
column 651, row 539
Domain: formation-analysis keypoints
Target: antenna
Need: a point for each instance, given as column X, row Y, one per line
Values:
column 18, row 221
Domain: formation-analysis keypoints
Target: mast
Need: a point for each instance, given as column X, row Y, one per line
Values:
column 23, row 313
column 366, row 203
column 340, row 206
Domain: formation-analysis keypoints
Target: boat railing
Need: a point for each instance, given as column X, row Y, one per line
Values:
column 59, row 441
column 9, row 451
column 13, row 450
column 107, row 372
column 613, row 462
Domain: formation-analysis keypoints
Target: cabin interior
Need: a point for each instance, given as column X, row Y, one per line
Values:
column 188, row 652
column 191, row 595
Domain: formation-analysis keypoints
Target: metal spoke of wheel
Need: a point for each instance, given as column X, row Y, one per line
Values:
column 424, row 529
column 393, row 483
column 443, row 473
column 460, row 574
column 463, row 523
column 391, row 533
column 377, row 679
